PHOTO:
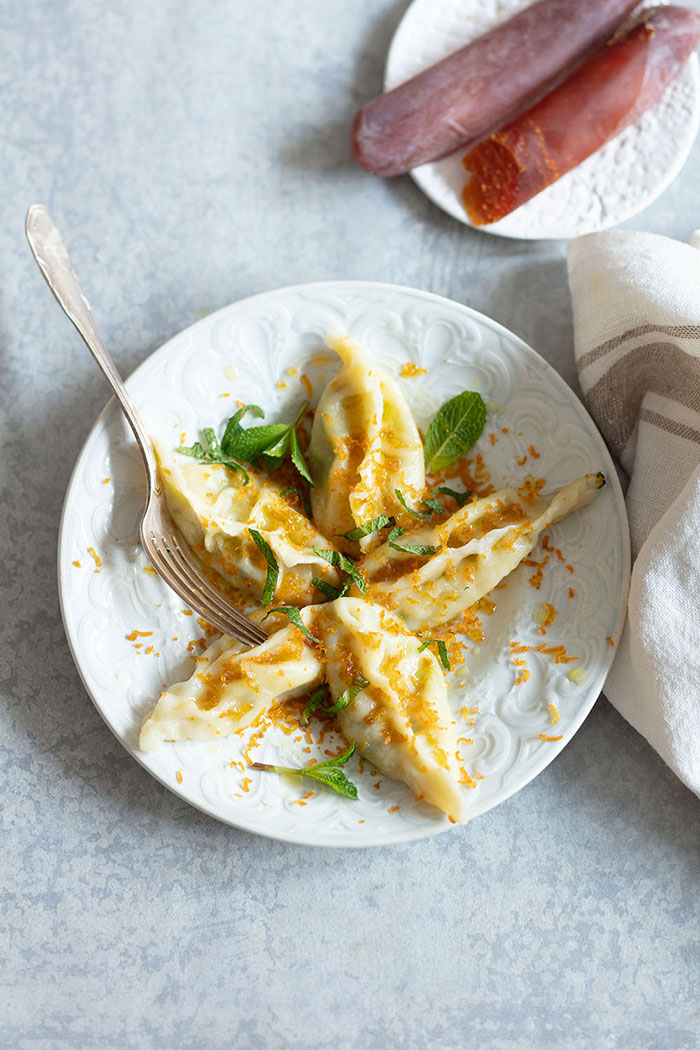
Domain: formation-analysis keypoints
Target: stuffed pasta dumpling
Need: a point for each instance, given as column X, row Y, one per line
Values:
column 400, row 719
column 364, row 445
column 215, row 511
column 468, row 554
column 231, row 687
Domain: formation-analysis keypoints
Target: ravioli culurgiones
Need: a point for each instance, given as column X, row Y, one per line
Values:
column 215, row 511
column 471, row 552
column 364, row 445
column 380, row 559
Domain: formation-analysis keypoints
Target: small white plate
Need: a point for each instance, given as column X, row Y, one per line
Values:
column 618, row 181
column 244, row 352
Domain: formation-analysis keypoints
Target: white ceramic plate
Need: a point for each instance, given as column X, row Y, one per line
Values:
column 244, row 352
column 618, row 181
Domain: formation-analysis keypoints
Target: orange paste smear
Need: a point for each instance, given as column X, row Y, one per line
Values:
column 492, row 190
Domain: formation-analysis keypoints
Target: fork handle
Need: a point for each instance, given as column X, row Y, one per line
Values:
column 54, row 262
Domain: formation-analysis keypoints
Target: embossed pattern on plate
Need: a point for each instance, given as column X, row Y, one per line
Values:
column 612, row 185
column 244, row 352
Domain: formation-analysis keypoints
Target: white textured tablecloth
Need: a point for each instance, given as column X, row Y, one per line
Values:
column 636, row 300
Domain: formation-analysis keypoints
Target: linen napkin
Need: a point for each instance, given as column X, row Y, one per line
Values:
column 636, row 301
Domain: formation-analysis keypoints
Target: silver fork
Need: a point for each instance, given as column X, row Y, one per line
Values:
column 165, row 548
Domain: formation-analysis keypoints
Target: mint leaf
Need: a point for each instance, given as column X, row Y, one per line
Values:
column 378, row 523
column 456, row 427
column 348, row 695
column 435, row 506
column 340, row 561
column 273, row 570
column 442, row 650
column 195, row 450
column 408, row 548
column 329, row 590
column 328, row 773
column 332, row 778
column 250, row 444
column 460, row 498
column 268, row 444
column 212, row 454
column 416, row 513
column 297, row 457
column 234, row 427
column 319, row 696
column 211, row 440
column 338, row 760
column 295, row 617
column 302, row 496
column 317, row 699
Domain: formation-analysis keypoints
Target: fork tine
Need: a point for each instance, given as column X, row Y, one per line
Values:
column 183, row 587
column 190, row 564
column 188, row 591
column 228, row 621
column 177, row 548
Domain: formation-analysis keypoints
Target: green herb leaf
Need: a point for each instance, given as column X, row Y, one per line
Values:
column 234, row 427
column 196, row 450
column 348, row 695
column 295, row 617
column 317, row 699
column 460, row 498
column 340, row 561
column 338, row 760
column 332, row 778
column 212, row 454
column 297, row 457
column 456, row 427
column 408, row 548
column 416, row 513
column 378, row 523
column 271, row 439
column 212, row 442
column 302, row 496
column 273, row 570
column 329, row 590
column 328, row 773
column 435, row 506
column 269, row 443
column 442, row 650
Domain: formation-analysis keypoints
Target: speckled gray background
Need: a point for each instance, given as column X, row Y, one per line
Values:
column 194, row 153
